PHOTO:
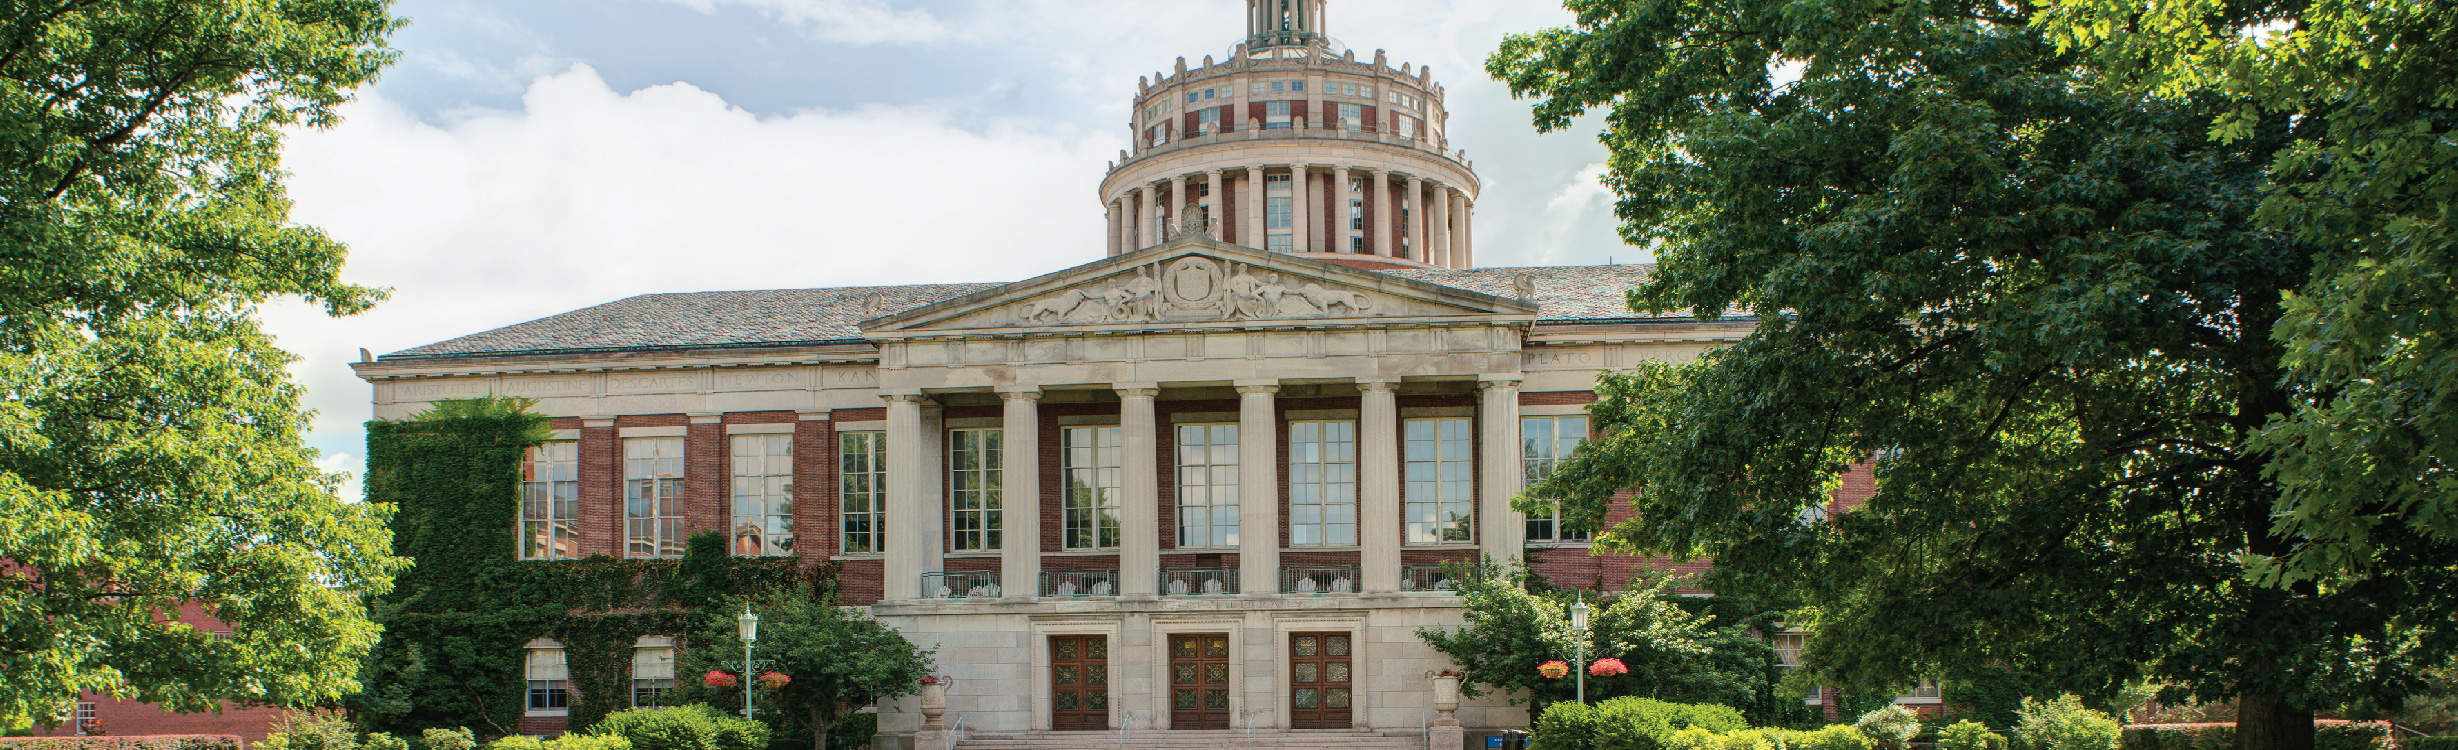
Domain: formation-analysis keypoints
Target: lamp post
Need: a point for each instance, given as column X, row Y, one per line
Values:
column 748, row 626
column 1578, row 628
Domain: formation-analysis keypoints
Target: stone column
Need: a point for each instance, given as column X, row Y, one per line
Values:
column 1177, row 205
column 1439, row 247
column 913, row 518
column 1335, row 227
column 1467, row 231
column 1410, row 203
column 1252, row 233
column 1301, row 209
column 1220, row 203
column 1459, row 235
column 1151, row 224
column 1378, row 484
column 1258, row 488
column 1504, row 531
column 1139, row 512
column 1020, row 480
column 1378, row 200
column 1114, row 216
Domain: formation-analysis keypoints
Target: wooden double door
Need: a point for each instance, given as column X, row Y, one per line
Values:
column 1199, row 681
column 1320, row 673
column 1079, row 683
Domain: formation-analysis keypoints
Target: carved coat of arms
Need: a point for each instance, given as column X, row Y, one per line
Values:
column 1192, row 289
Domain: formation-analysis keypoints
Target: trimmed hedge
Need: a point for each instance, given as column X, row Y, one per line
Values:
column 131, row 742
column 2337, row 735
column 1628, row 724
column 692, row 727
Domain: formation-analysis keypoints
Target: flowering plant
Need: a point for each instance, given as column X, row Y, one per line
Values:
column 1554, row 670
column 1450, row 673
column 1607, row 667
column 718, row 679
column 930, row 679
column 774, row 680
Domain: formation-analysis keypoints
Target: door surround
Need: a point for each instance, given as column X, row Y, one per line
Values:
column 1040, row 636
column 1236, row 628
column 1360, row 661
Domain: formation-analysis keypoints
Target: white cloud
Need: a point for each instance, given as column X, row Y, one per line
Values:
column 347, row 466
column 859, row 22
column 587, row 195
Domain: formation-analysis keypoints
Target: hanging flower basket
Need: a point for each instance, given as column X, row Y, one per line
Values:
column 1554, row 670
column 774, row 680
column 930, row 679
column 718, row 679
column 1607, row 667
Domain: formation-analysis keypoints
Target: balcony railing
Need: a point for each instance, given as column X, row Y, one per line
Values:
column 1078, row 584
column 1319, row 581
column 1332, row 131
column 962, row 585
column 1429, row 578
column 1200, row 582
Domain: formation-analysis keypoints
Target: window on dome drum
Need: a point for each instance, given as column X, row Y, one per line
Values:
column 763, row 468
column 1357, row 215
column 653, row 497
column 652, row 671
column 1404, row 126
column 1544, row 442
column 1440, row 481
column 1089, row 514
column 1207, row 121
column 1276, row 115
column 1207, row 485
column 550, row 501
column 1354, row 116
column 862, row 491
column 1297, row 87
column 1276, row 212
column 1322, row 484
column 1356, row 244
column 550, row 683
column 973, row 486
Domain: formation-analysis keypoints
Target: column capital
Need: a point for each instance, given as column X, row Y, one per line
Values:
column 1021, row 393
column 1252, row 387
column 1377, row 385
column 1214, row 171
column 1137, row 390
column 915, row 397
column 1488, row 383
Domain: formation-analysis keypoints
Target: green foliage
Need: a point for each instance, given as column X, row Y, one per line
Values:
column 565, row 742
column 1835, row 737
column 1629, row 724
column 328, row 732
column 839, row 659
column 2063, row 322
column 1673, row 654
column 151, row 436
column 692, row 727
column 1971, row 735
column 2064, row 724
column 2431, row 743
column 149, row 742
column 438, row 738
column 458, row 623
column 2360, row 735
column 1892, row 727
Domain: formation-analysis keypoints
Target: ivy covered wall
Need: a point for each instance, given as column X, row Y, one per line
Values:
column 457, row 623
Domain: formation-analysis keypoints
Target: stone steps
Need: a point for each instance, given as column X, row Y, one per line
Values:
column 1192, row 740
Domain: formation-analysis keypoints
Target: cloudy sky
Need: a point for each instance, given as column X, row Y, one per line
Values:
column 528, row 157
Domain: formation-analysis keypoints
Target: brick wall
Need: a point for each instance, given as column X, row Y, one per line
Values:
column 128, row 718
column 601, row 508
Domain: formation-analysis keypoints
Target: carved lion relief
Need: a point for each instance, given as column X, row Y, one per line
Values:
column 1192, row 289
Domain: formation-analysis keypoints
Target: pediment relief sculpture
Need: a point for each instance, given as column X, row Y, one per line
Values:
column 1193, row 289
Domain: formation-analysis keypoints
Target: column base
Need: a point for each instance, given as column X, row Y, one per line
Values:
column 1446, row 738
column 931, row 738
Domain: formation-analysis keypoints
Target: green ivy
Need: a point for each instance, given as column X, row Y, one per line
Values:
column 457, row 623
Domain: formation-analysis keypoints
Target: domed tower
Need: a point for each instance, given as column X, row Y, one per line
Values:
column 1295, row 145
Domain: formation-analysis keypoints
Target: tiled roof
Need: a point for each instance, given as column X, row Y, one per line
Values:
column 786, row 317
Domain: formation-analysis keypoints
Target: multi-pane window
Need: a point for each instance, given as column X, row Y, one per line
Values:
column 763, row 470
column 1357, row 215
column 862, row 491
column 1207, row 485
column 1544, row 442
column 653, row 497
column 1353, row 116
column 1440, row 480
column 973, row 484
column 652, row 671
column 1404, row 126
column 1788, row 647
column 1276, row 212
column 86, row 715
column 550, row 684
column 1322, row 484
column 550, row 501
column 1276, row 115
column 1207, row 121
column 1089, row 514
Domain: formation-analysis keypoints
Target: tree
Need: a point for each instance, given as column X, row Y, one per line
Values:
column 1672, row 654
column 2046, row 306
column 838, row 659
column 150, row 440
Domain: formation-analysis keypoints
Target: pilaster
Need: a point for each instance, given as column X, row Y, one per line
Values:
column 1378, row 484
column 1251, row 233
column 1378, row 201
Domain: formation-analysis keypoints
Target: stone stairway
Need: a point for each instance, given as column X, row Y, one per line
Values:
column 1193, row 740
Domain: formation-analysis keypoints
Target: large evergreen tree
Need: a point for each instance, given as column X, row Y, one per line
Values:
column 2047, row 298
column 150, row 439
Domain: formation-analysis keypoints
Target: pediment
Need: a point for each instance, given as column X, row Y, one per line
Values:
column 1195, row 282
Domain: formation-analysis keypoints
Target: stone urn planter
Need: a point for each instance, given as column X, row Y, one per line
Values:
column 1446, row 699
column 934, row 702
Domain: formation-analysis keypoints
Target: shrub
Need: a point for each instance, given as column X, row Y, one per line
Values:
column 1629, row 724
column 2354, row 735
column 693, row 727
column 447, row 739
column 1694, row 738
column 1748, row 739
column 2432, row 743
column 1834, row 737
column 1969, row 735
column 382, row 741
column 1891, row 727
column 297, row 732
column 145, row 742
column 516, row 742
column 1566, row 726
column 2064, row 724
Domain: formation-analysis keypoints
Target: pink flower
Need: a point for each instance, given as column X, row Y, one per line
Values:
column 930, row 680
column 717, row 679
column 1554, row 670
column 774, row 680
column 1607, row 667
